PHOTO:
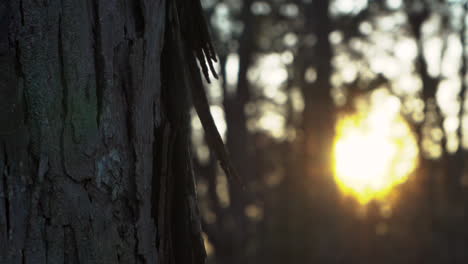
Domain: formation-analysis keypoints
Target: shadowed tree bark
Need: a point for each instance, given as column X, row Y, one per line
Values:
column 95, row 165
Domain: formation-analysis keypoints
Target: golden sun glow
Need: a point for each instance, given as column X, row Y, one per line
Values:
column 374, row 149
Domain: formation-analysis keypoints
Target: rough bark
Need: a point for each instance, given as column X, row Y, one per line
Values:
column 94, row 154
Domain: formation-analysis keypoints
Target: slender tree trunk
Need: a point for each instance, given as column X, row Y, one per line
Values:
column 456, row 168
column 429, row 205
column 311, row 225
column 234, row 248
column 94, row 159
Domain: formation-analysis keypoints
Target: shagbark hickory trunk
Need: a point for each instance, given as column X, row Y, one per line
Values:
column 94, row 162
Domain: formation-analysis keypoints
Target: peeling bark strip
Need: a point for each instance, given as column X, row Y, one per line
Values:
column 196, row 45
column 89, row 170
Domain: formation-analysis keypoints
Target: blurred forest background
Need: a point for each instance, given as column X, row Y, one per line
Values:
column 289, row 70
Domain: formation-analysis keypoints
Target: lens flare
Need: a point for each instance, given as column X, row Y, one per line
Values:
column 374, row 149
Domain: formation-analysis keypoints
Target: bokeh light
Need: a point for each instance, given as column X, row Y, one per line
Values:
column 374, row 150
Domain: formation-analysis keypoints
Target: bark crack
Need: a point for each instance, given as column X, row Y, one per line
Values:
column 21, row 12
column 6, row 192
column 98, row 60
column 19, row 68
column 62, row 67
column 139, row 19
column 63, row 81
column 138, row 256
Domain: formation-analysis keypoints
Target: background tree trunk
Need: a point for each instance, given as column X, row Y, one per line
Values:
column 95, row 164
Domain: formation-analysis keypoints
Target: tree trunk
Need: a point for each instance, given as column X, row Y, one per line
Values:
column 95, row 164
column 313, row 186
